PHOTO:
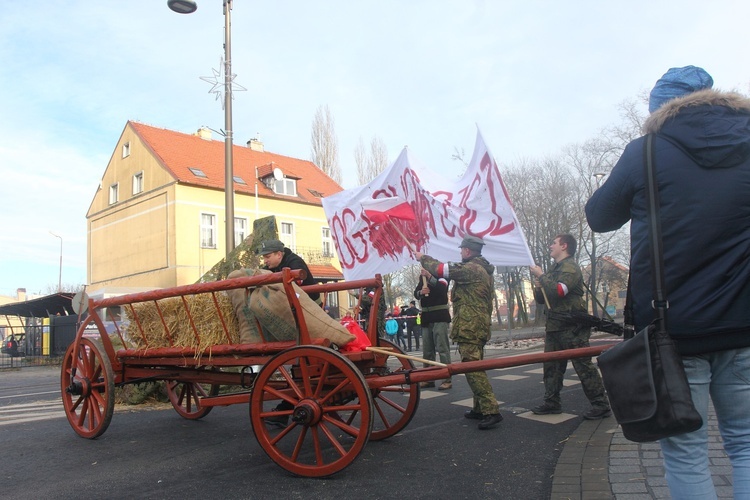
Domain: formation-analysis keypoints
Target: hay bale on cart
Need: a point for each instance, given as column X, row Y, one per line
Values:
column 169, row 322
column 251, row 315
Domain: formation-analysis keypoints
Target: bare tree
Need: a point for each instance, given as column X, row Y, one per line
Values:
column 632, row 125
column 324, row 147
column 360, row 161
column 544, row 197
column 369, row 167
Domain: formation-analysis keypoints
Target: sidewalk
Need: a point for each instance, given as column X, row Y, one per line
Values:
column 597, row 462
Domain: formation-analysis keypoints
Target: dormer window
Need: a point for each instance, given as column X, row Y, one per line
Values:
column 285, row 186
column 198, row 172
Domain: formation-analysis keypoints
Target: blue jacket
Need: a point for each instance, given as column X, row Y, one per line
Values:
column 702, row 147
column 391, row 326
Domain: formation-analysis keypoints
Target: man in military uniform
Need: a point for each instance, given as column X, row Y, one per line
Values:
column 562, row 290
column 472, row 293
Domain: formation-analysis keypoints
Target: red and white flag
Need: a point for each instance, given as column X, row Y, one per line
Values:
column 380, row 210
column 433, row 213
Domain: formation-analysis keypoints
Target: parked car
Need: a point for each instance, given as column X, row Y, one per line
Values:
column 14, row 345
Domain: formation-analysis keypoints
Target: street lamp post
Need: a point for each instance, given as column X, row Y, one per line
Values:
column 188, row 7
column 598, row 176
column 59, row 276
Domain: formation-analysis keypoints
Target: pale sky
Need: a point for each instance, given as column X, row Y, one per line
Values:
column 535, row 76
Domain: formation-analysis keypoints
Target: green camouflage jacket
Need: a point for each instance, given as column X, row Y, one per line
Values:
column 472, row 293
column 563, row 286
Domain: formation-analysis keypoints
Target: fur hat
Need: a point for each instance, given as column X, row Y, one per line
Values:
column 472, row 243
column 678, row 82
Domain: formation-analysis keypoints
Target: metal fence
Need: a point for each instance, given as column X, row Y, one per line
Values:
column 40, row 343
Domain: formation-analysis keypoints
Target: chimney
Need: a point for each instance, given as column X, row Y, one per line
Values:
column 204, row 133
column 255, row 145
column 21, row 294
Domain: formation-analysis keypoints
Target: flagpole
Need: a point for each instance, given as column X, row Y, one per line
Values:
column 406, row 240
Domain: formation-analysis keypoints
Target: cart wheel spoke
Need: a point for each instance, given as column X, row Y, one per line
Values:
column 88, row 396
column 186, row 398
column 395, row 405
column 327, row 405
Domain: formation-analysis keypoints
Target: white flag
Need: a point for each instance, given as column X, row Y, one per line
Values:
column 477, row 204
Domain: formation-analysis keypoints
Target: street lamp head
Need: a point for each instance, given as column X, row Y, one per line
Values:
column 182, row 6
column 599, row 176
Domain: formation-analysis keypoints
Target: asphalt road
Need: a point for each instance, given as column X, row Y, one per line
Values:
column 154, row 453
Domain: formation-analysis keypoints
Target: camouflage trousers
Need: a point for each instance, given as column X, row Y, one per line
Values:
column 554, row 371
column 484, row 399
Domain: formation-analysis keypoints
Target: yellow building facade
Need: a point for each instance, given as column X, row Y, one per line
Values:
column 157, row 218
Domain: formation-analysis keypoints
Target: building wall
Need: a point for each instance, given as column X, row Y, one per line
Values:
column 193, row 261
column 153, row 238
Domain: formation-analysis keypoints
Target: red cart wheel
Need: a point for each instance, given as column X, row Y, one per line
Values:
column 395, row 405
column 185, row 398
column 327, row 405
column 88, row 388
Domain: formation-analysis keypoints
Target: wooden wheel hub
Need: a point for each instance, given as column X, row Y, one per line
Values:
column 307, row 412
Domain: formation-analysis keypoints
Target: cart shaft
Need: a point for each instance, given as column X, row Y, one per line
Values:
column 436, row 373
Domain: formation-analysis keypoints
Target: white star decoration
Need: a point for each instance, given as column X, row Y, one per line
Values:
column 218, row 84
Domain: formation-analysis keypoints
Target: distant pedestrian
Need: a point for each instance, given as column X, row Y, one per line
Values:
column 410, row 324
column 392, row 328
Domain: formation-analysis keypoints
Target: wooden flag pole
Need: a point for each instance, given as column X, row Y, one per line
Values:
column 546, row 300
column 405, row 356
column 406, row 240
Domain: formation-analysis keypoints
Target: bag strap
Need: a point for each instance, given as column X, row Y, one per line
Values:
column 660, row 303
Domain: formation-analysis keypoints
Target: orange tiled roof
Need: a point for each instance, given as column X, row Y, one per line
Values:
column 178, row 152
column 614, row 263
column 325, row 272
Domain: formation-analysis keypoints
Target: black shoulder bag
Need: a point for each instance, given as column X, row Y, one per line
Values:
column 644, row 376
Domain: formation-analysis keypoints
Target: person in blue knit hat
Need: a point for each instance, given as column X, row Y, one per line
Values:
column 702, row 163
column 678, row 82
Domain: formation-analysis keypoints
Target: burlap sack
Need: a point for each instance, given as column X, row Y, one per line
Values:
column 249, row 333
column 270, row 305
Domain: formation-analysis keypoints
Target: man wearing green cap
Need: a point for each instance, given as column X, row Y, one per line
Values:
column 472, row 293
column 276, row 257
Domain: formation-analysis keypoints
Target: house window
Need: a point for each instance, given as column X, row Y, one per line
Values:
column 327, row 243
column 138, row 183
column 114, row 191
column 126, row 150
column 239, row 180
column 208, row 231
column 240, row 230
column 287, row 234
column 285, row 186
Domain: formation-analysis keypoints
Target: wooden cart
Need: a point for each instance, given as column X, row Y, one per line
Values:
column 335, row 401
